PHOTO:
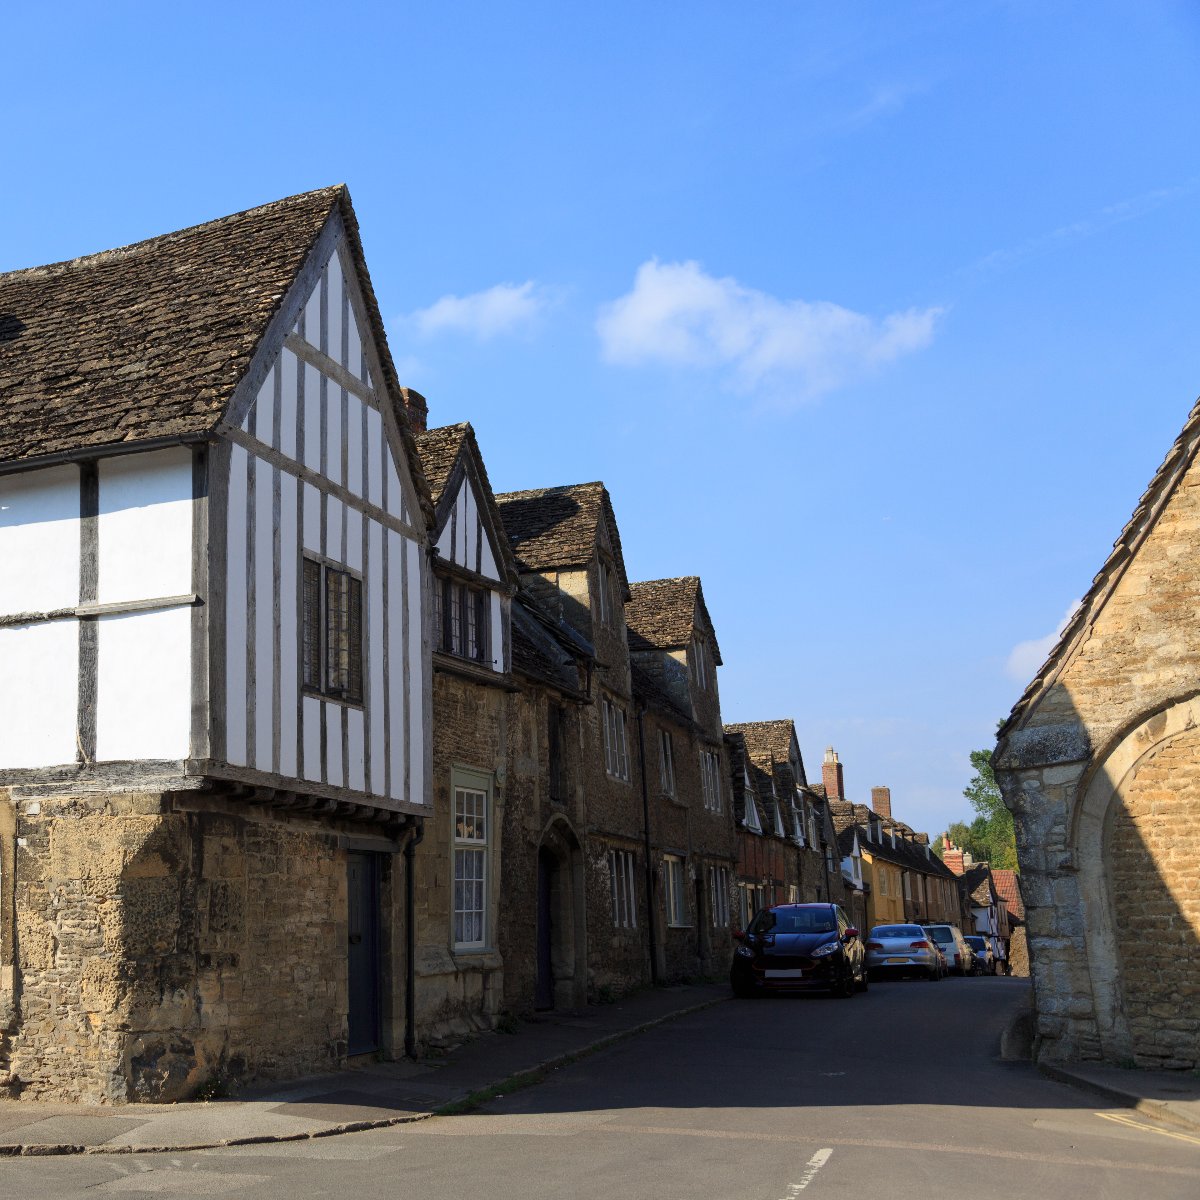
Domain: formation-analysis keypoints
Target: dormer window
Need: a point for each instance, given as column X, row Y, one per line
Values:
column 462, row 620
column 750, row 817
column 700, row 663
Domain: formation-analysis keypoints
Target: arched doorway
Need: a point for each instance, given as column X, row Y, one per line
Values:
column 1142, row 924
column 561, row 941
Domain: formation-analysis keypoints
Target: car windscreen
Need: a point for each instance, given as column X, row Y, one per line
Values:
column 795, row 920
column 897, row 931
column 976, row 942
column 942, row 934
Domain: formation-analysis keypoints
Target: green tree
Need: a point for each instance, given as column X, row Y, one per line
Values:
column 988, row 838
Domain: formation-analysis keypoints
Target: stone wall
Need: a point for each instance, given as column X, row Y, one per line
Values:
column 156, row 949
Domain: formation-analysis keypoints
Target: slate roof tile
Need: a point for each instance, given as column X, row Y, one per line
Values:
column 661, row 614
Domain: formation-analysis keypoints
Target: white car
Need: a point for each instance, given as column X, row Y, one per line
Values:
column 960, row 958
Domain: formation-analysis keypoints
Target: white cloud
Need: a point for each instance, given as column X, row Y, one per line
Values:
column 1027, row 657
column 677, row 314
column 505, row 308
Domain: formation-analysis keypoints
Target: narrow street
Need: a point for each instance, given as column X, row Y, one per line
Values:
column 897, row 1093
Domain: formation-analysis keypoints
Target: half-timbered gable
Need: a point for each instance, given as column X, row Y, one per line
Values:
column 214, row 625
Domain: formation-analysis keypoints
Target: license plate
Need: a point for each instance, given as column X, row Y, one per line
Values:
column 796, row 974
column 897, row 960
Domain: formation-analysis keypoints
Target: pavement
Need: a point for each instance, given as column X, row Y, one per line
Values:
column 361, row 1097
column 1170, row 1096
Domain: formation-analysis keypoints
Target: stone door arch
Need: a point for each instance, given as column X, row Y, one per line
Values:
column 561, row 935
column 1141, row 924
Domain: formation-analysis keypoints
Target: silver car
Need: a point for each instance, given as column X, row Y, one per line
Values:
column 960, row 958
column 902, row 950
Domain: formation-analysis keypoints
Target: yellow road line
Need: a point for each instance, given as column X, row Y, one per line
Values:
column 1171, row 1133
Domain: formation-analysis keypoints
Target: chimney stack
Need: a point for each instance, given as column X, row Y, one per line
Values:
column 831, row 776
column 952, row 855
column 881, row 801
column 417, row 408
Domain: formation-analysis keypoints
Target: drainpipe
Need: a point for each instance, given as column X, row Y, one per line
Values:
column 410, row 939
column 650, row 908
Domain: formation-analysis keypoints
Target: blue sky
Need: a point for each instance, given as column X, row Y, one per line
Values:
column 877, row 317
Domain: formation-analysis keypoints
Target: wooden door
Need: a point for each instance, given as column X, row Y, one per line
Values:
column 362, row 949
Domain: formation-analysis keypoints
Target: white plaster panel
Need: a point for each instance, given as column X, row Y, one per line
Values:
column 264, row 409
column 487, row 560
column 264, row 616
column 312, row 316
column 39, row 541
column 416, row 679
column 235, row 610
column 397, row 699
column 289, row 626
column 289, row 367
column 445, row 548
column 356, row 751
column 466, row 528
column 374, row 663
column 334, row 768
column 311, row 717
column 312, row 519
column 37, row 724
column 312, row 417
column 394, row 500
column 333, row 459
column 143, row 685
column 497, row 631
column 353, row 548
column 354, row 445
column 355, row 363
column 333, row 529
column 145, row 526
column 334, row 273
column 374, row 457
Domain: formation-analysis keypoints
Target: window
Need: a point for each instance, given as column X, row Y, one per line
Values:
column 666, row 763
column 470, row 867
column 883, row 882
column 829, row 859
column 798, row 823
column 624, row 889
column 907, row 886
column 603, row 596
column 555, row 719
column 462, row 620
column 812, row 828
column 710, row 779
column 676, row 894
column 616, row 755
column 331, row 635
column 718, row 896
column 700, row 661
column 750, row 817
column 793, row 893
column 779, row 832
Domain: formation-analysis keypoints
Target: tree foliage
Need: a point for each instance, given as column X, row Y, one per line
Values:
column 989, row 837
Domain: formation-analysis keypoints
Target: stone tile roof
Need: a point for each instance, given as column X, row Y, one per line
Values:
column 766, row 737
column 149, row 341
column 1155, row 498
column 557, row 526
column 976, row 881
column 661, row 614
column 439, row 450
column 1008, row 886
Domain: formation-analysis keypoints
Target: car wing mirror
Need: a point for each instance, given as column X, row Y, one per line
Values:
column 739, row 935
column 850, row 933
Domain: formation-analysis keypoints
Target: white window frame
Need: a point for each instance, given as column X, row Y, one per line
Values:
column 710, row 780
column 603, row 599
column 793, row 894
column 666, row 763
column 883, row 882
column 471, row 817
column 907, row 885
column 798, row 824
column 750, row 816
column 675, row 891
column 700, row 652
column 616, row 745
column 718, row 896
column 623, row 888
column 779, row 830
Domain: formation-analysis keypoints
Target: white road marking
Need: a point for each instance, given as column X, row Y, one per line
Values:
column 811, row 1168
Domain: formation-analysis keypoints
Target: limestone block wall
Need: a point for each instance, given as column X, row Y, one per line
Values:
column 153, row 949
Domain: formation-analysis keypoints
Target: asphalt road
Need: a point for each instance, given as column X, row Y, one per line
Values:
column 894, row 1094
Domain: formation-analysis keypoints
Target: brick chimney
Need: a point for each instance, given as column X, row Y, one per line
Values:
column 881, row 801
column 417, row 408
column 831, row 776
column 952, row 855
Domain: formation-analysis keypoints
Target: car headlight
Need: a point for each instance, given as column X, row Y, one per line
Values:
column 744, row 952
column 828, row 948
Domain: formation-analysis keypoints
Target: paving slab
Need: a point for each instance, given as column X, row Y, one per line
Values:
column 1172, row 1096
column 364, row 1096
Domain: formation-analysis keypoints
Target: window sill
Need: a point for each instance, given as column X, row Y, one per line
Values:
column 679, row 925
column 341, row 701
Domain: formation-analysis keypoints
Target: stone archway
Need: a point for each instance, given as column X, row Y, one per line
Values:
column 561, row 934
column 1141, row 938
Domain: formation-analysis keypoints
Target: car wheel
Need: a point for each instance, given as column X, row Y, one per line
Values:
column 932, row 975
column 865, row 980
column 743, row 991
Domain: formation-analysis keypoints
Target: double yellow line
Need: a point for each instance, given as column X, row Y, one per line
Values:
column 1171, row 1133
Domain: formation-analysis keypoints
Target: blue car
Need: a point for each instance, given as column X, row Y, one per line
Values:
column 799, row 948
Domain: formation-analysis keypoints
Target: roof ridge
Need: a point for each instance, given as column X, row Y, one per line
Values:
column 118, row 253
column 541, row 491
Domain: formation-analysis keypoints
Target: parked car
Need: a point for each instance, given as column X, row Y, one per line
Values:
column 903, row 950
column 799, row 947
column 959, row 956
column 985, row 960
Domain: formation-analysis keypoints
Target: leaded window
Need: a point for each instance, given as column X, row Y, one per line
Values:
column 331, row 631
column 470, row 867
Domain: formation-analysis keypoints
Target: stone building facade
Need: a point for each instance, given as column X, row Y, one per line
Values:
column 1100, row 765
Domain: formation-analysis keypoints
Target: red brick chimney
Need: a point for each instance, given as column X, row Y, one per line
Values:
column 952, row 855
column 881, row 801
column 417, row 408
column 831, row 776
